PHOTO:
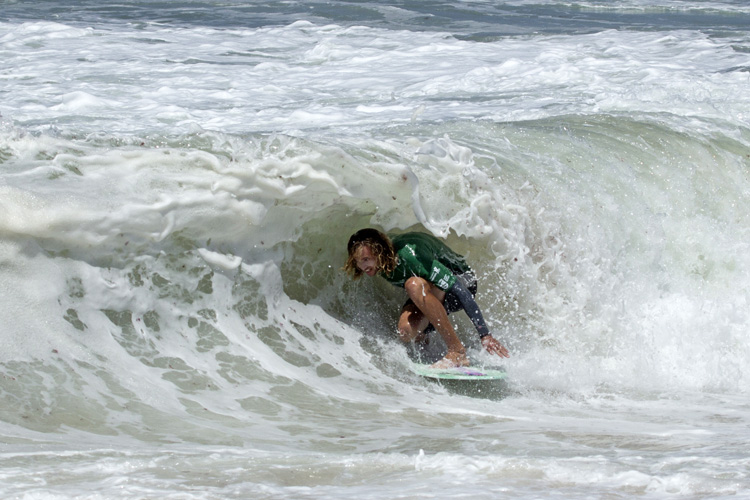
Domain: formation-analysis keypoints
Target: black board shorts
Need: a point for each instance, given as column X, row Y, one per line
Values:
column 451, row 302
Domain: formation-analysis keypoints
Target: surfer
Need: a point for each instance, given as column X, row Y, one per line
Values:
column 437, row 280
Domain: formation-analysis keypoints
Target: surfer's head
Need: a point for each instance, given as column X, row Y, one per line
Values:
column 370, row 252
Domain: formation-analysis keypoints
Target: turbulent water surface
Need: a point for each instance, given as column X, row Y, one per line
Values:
column 178, row 181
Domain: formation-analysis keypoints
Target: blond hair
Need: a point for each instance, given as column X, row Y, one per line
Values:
column 380, row 246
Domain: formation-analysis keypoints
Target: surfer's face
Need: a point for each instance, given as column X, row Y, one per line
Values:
column 366, row 261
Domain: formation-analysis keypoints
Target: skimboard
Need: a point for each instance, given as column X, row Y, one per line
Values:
column 459, row 372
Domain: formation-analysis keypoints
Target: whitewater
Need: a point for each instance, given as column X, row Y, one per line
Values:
column 178, row 181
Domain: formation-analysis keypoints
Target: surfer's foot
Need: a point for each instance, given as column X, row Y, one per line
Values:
column 451, row 360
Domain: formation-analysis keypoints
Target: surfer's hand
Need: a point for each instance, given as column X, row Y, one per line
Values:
column 494, row 347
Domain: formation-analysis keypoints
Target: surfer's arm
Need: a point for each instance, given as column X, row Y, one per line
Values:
column 471, row 307
column 475, row 315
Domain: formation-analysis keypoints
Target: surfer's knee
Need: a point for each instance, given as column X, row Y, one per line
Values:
column 409, row 323
column 416, row 288
column 405, row 335
column 406, row 331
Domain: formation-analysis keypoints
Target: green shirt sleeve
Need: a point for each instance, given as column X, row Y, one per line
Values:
column 413, row 262
column 441, row 276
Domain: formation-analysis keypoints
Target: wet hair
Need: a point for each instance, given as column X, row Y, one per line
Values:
column 380, row 246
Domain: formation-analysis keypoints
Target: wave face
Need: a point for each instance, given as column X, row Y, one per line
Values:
column 176, row 197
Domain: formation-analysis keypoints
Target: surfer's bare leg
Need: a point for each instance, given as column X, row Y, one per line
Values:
column 428, row 308
column 411, row 324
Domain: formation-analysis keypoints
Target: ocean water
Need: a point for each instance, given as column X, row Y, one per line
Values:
column 178, row 181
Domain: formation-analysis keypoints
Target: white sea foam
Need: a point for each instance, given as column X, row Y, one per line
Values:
column 303, row 77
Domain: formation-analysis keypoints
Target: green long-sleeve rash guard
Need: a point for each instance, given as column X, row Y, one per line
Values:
column 424, row 255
